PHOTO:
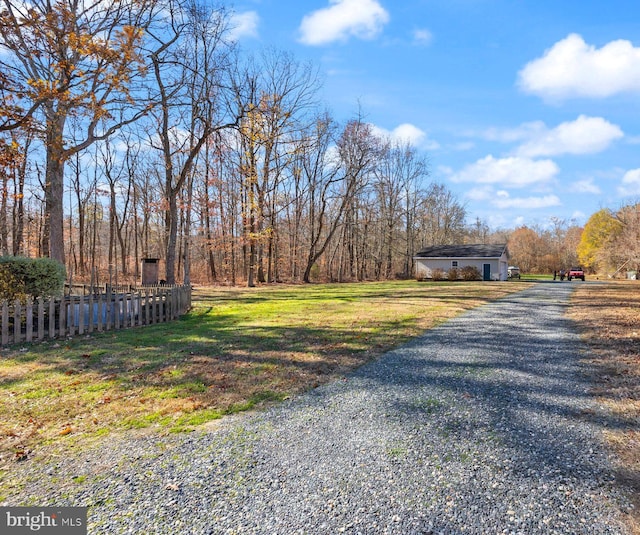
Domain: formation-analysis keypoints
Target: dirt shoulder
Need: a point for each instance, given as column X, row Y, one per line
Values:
column 608, row 317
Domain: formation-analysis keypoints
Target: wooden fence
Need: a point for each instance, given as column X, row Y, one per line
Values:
column 82, row 314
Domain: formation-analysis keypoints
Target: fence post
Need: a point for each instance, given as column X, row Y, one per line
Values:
column 153, row 305
column 175, row 300
column 132, row 307
column 116, row 308
column 63, row 314
column 139, row 306
column 81, row 315
column 40, row 318
column 29, row 320
column 52, row 317
column 90, row 324
column 160, row 305
column 71, row 317
column 109, row 307
column 17, row 322
column 101, row 307
column 5, row 322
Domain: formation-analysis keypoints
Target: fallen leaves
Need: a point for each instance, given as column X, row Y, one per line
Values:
column 21, row 455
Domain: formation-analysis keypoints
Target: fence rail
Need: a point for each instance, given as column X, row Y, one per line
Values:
column 82, row 314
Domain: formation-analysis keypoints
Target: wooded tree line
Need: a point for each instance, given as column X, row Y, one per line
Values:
column 545, row 250
column 135, row 129
column 610, row 243
column 607, row 245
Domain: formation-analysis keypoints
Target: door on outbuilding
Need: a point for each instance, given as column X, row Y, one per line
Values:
column 486, row 272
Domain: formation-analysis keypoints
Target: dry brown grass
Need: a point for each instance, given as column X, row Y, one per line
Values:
column 608, row 316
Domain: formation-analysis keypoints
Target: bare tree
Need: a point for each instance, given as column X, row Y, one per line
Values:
column 69, row 59
column 189, row 64
column 624, row 250
column 443, row 216
column 399, row 174
column 335, row 183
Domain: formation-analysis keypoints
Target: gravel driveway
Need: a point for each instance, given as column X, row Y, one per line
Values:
column 484, row 425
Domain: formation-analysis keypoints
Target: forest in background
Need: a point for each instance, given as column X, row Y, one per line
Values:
column 139, row 129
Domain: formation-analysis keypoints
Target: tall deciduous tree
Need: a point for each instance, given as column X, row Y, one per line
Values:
column 525, row 248
column 70, row 59
column 443, row 219
column 399, row 174
column 599, row 231
column 625, row 249
column 338, row 185
column 190, row 64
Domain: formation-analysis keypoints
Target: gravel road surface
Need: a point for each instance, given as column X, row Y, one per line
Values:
column 482, row 426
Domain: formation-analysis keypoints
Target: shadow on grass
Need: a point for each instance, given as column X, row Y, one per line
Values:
column 235, row 350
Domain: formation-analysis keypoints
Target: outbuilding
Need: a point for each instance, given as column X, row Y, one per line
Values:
column 491, row 260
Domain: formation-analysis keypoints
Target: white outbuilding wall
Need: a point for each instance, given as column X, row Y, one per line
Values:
column 498, row 266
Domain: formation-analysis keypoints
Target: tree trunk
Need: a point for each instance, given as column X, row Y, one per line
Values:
column 18, row 218
column 172, row 239
column 4, row 228
column 53, row 239
column 187, row 232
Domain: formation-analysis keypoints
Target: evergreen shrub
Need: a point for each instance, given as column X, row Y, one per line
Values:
column 22, row 277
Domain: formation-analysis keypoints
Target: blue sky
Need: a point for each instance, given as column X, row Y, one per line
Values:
column 528, row 110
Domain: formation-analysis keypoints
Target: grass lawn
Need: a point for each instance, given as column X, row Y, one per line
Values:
column 237, row 348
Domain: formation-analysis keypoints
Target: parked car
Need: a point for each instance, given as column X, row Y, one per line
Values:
column 575, row 273
column 513, row 272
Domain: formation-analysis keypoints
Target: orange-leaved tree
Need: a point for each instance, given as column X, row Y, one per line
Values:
column 70, row 69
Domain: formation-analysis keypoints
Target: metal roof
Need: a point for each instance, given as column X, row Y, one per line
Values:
column 478, row 250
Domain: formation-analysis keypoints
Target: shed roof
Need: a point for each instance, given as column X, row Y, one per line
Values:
column 478, row 250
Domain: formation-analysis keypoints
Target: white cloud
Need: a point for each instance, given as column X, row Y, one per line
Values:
column 407, row 133
column 463, row 146
column 515, row 172
column 572, row 68
column 511, row 135
column 363, row 19
column 244, row 25
column 422, row 36
column 630, row 186
column 585, row 135
column 586, row 186
column 480, row 194
column 578, row 216
column 631, row 177
column 504, row 201
column 444, row 170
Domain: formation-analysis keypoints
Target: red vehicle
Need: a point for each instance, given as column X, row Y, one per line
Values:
column 575, row 273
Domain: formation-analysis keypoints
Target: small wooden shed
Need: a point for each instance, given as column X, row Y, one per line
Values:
column 150, row 271
column 491, row 260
